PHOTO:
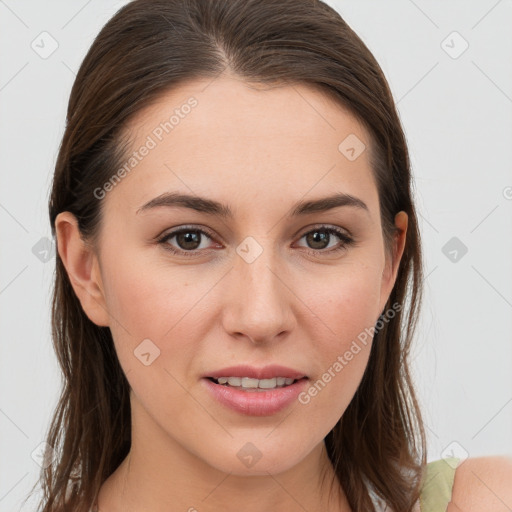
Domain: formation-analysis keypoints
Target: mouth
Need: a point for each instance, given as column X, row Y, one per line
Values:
column 255, row 397
column 249, row 384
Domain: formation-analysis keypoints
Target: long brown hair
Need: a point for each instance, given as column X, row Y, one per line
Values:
column 378, row 447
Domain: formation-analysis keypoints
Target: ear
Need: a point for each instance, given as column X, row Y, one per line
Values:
column 82, row 267
column 391, row 267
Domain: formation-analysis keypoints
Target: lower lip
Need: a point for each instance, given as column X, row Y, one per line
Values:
column 256, row 403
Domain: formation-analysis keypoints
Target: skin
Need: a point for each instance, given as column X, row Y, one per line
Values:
column 482, row 484
column 259, row 150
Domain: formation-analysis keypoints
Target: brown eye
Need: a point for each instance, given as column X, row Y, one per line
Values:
column 188, row 241
column 318, row 239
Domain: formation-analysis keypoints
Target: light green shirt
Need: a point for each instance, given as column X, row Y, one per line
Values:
column 436, row 490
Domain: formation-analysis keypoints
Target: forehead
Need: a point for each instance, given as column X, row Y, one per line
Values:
column 226, row 136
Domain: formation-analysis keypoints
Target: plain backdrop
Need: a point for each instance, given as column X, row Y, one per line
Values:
column 449, row 65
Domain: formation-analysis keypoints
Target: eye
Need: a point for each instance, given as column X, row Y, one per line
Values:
column 188, row 239
column 320, row 238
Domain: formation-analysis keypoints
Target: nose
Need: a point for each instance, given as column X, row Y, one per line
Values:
column 259, row 302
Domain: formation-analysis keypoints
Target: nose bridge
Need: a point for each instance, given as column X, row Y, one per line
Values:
column 259, row 306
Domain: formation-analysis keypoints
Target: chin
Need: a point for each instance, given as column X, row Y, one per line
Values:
column 258, row 457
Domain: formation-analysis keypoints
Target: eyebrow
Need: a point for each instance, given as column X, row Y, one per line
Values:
column 211, row 207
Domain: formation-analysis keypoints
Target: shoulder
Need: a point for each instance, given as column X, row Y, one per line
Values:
column 482, row 484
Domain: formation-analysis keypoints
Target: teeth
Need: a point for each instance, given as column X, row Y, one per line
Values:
column 249, row 383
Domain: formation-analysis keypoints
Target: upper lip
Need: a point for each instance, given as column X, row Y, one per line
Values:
column 267, row 372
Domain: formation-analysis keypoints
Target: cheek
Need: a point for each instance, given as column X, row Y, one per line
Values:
column 348, row 310
column 147, row 300
column 348, row 302
column 148, row 296
column 150, row 307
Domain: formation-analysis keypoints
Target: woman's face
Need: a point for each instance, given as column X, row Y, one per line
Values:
column 263, row 285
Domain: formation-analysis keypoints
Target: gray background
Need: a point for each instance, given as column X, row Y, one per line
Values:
column 456, row 109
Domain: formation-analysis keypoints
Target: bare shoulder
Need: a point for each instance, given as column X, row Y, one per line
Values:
column 482, row 484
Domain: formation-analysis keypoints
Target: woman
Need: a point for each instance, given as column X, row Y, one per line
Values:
column 236, row 237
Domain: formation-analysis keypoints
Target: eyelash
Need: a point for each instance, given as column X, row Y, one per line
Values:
column 346, row 241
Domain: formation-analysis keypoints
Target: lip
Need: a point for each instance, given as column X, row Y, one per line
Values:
column 267, row 372
column 255, row 403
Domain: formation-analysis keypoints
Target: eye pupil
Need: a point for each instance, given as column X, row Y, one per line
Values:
column 188, row 237
column 318, row 237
